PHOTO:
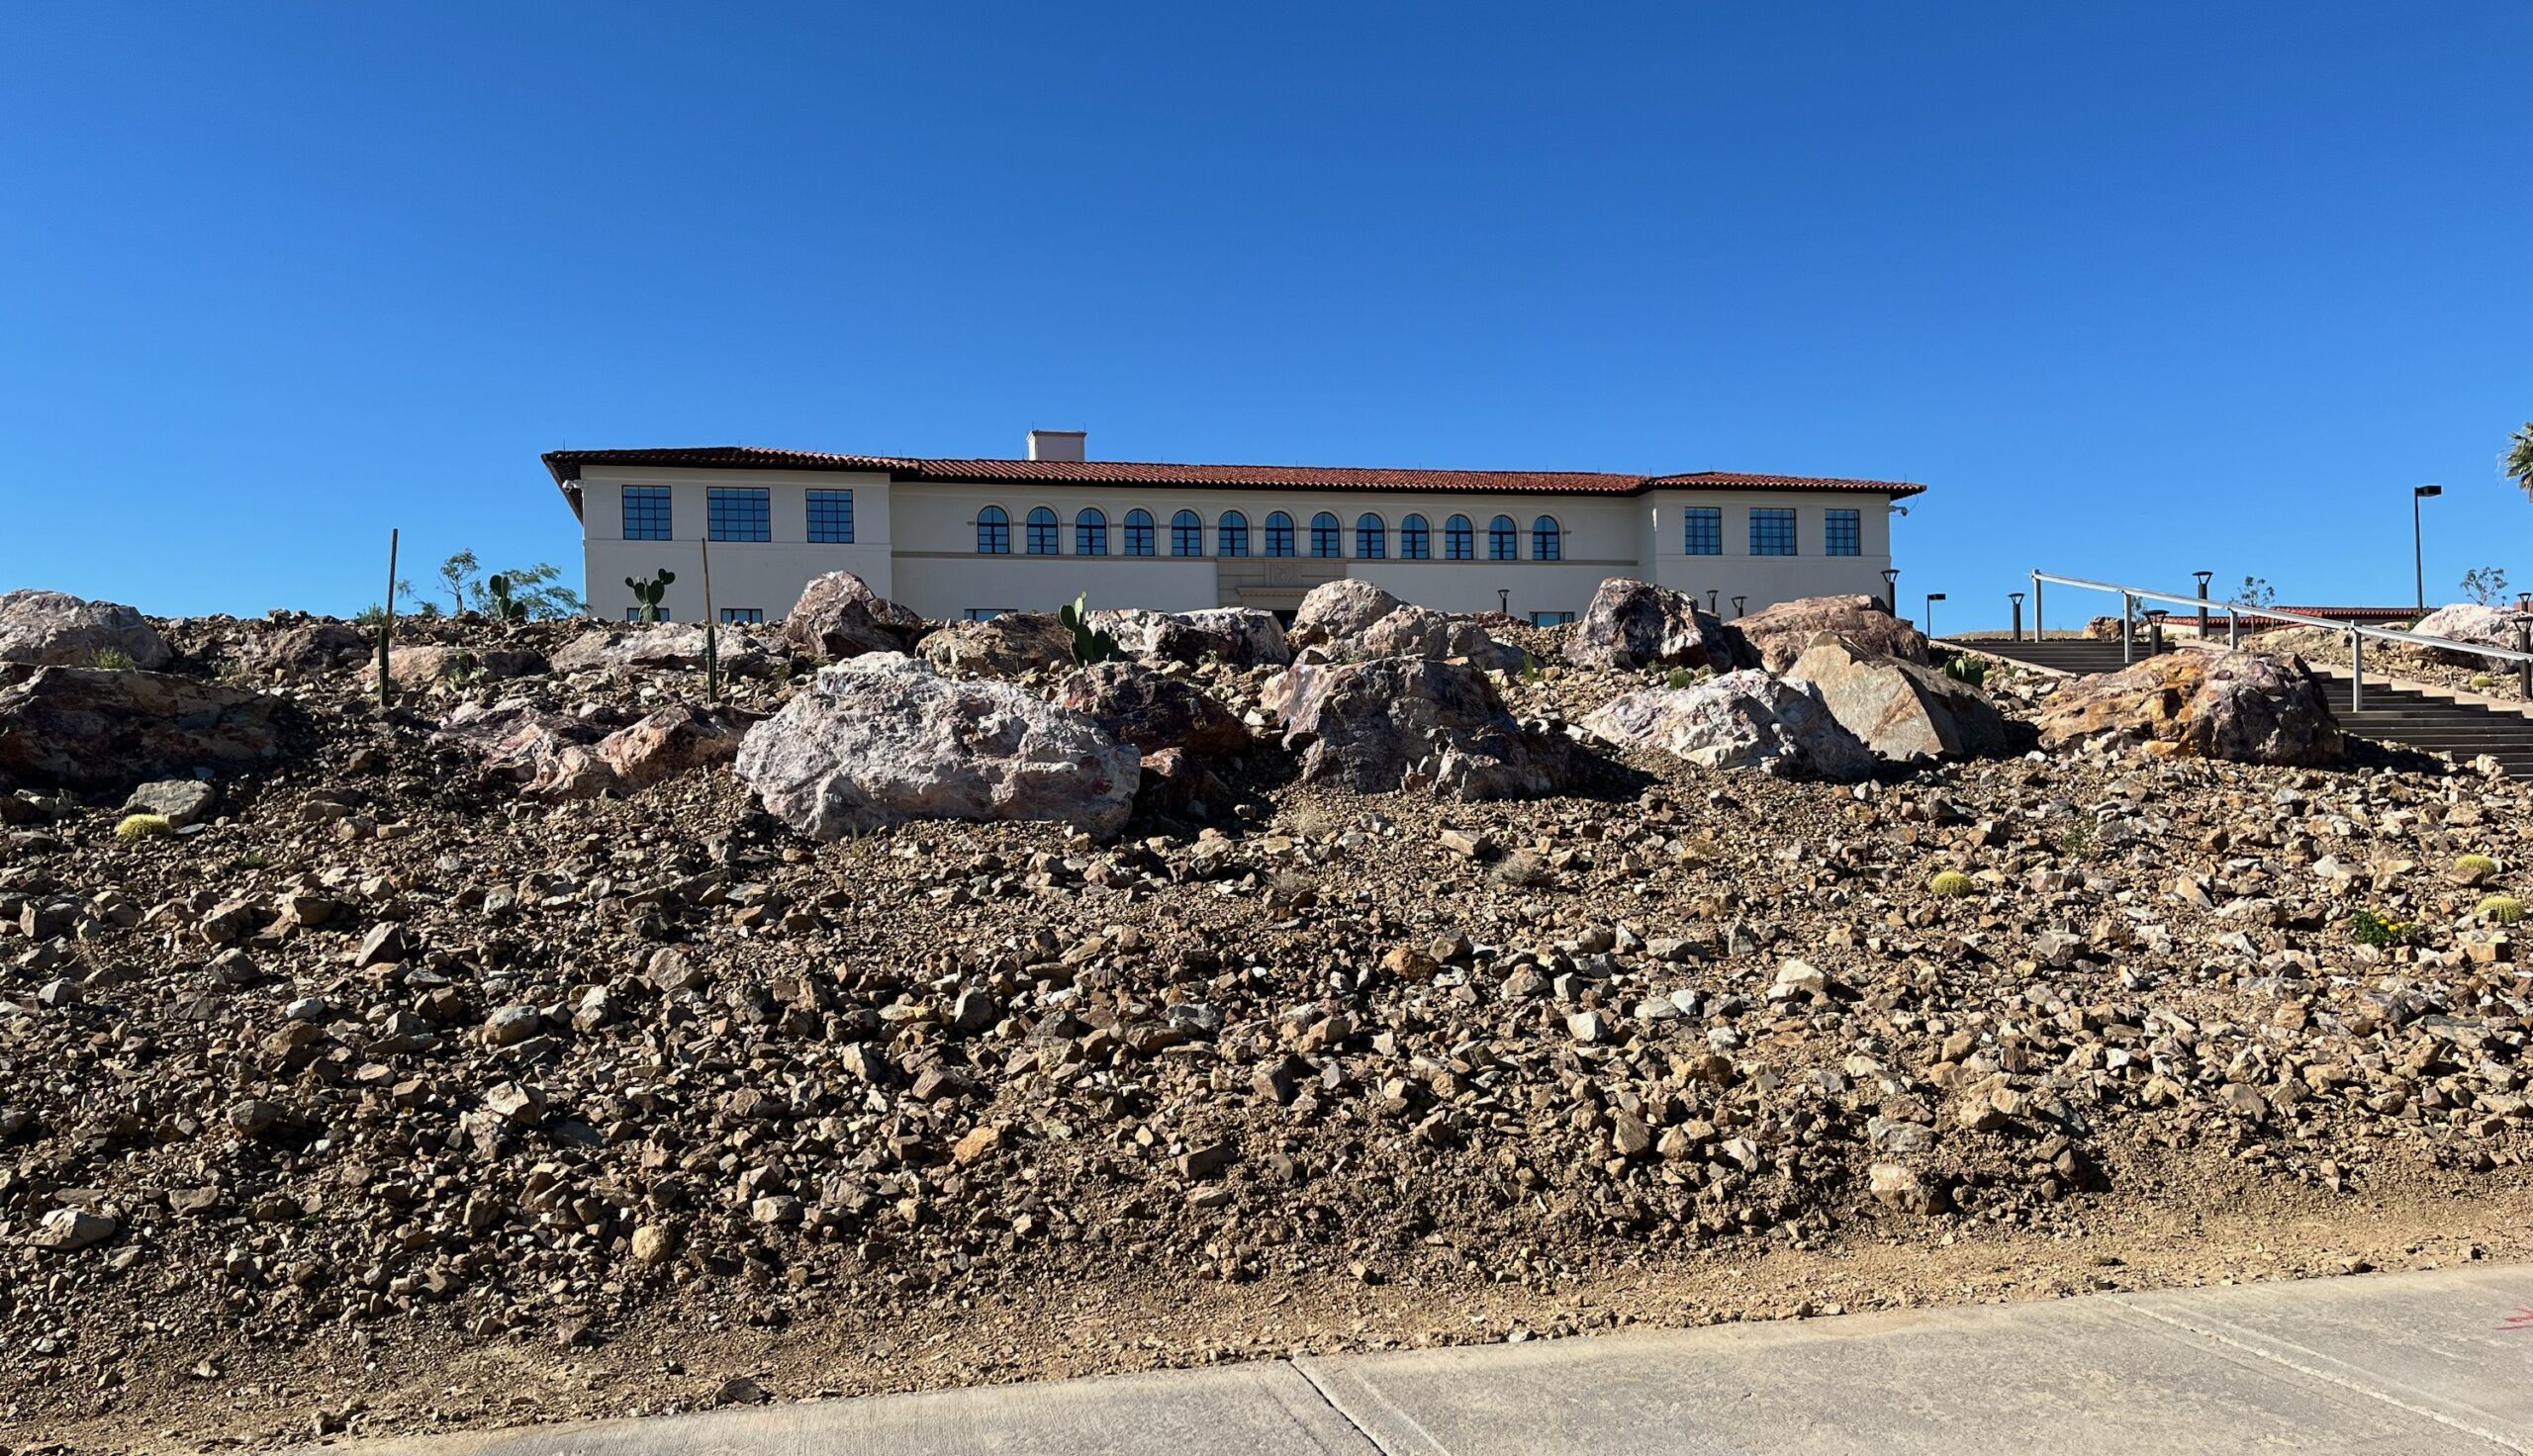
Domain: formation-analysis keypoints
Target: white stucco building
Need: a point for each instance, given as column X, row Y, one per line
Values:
column 954, row 538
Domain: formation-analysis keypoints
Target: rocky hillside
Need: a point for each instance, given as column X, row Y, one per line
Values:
column 924, row 973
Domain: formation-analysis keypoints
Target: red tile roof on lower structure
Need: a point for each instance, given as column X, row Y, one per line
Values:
column 566, row 466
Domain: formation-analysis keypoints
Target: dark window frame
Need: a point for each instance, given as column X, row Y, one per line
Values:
column 731, row 511
column 1280, row 533
column 1231, row 533
column 1187, row 534
column 1702, row 530
column 1139, row 532
column 1090, row 531
column 1327, row 536
column 1842, row 532
column 655, row 521
column 1415, row 538
column 993, row 531
column 1773, row 531
column 1046, row 532
column 824, row 525
column 1459, row 539
column 1547, row 539
column 1372, row 537
column 1502, row 539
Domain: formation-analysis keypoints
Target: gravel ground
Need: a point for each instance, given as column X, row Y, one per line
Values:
column 397, row 1102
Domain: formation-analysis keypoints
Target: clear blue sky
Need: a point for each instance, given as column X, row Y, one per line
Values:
column 2134, row 289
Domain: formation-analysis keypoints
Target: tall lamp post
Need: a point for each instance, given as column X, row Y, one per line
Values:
column 2204, row 579
column 1890, row 590
column 2418, row 553
column 1931, row 598
column 2017, row 598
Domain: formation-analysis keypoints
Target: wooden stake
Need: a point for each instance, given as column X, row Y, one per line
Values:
column 387, row 626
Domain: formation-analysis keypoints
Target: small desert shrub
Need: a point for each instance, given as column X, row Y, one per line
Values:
column 2482, row 682
column 113, row 660
column 1953, row 884
column 2472, row 868
column 2505, row 909
column 2372, row 927
column 144, row 826
column 1970, row 670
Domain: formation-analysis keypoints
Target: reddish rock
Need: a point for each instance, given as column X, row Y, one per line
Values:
column 1152, row 710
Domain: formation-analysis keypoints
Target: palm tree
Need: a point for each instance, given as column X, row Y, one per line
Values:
column 2517, row 461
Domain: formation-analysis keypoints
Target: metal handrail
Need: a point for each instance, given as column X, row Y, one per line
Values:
column 2129, row 597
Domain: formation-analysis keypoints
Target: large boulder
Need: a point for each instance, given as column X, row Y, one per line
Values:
column 676, row 739
column 305, row 650
column 1341, row 610
column 884, row 738
column 1008, row 645
column 1152, row 710
column 428, row 665
column 1414, row 722
column 1160, row 636
column 839, row 616
column 1900, row 709
column 2250, row 707
column 1744, row 720
column 1257, row 638
column 56, row 629
column 1421, row 631
column 1636, row 624
column 664, row 647
column 559, row 755
column 1775, row 636
column 96, row 728
column 549, row 755
column 2469, row 622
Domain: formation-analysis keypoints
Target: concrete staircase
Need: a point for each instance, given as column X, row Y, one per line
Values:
column 2406, row 717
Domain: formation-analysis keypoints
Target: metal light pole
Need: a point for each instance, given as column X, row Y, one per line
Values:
column 1737, row 606
column 1890, row 590
column 1504, row 601
column 2418, row 553
column 2204, row 579
column 1931, row 598
column 2016, row 598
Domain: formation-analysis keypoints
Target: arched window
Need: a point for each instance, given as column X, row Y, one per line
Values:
column 1187, row 534
column 1323, row 535
column 1547, row 541
column 993, row 531
column 1503, row 542
column 1091, row 534
column 1415, row 541
column 1460, row 542
column 1042, row 531
column 1280, row 534
column 1372, row 537
column 1231, row 534
column 1139, row 532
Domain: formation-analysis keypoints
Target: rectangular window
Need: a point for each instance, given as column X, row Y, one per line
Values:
column 988, row 613
column 1187, row 534
column 1771, row 531
column 739, row 512
column 1550, row 618
column 741, row 616
column 1459, row 540
column 646, row 513
column 1138, row 533
column 1705, row 530
column 1842, row 534
column 634, row 613
column 1322, row 535
column 1502, row 540
column 831, row 517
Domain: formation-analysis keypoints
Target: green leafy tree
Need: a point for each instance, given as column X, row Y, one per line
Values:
column 2255, row 592
column 457, row 576
column 2485, row 585
column 2517, row 461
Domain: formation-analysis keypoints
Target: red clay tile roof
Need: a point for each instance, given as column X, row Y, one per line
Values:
column 566, row 466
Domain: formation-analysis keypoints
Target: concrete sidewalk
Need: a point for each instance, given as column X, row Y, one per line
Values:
column 2435, row 1362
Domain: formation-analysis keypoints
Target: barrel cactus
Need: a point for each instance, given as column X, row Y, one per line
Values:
column 2472, row 868
column 144, row 826
column 2503, row 909
column 1951, row 884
